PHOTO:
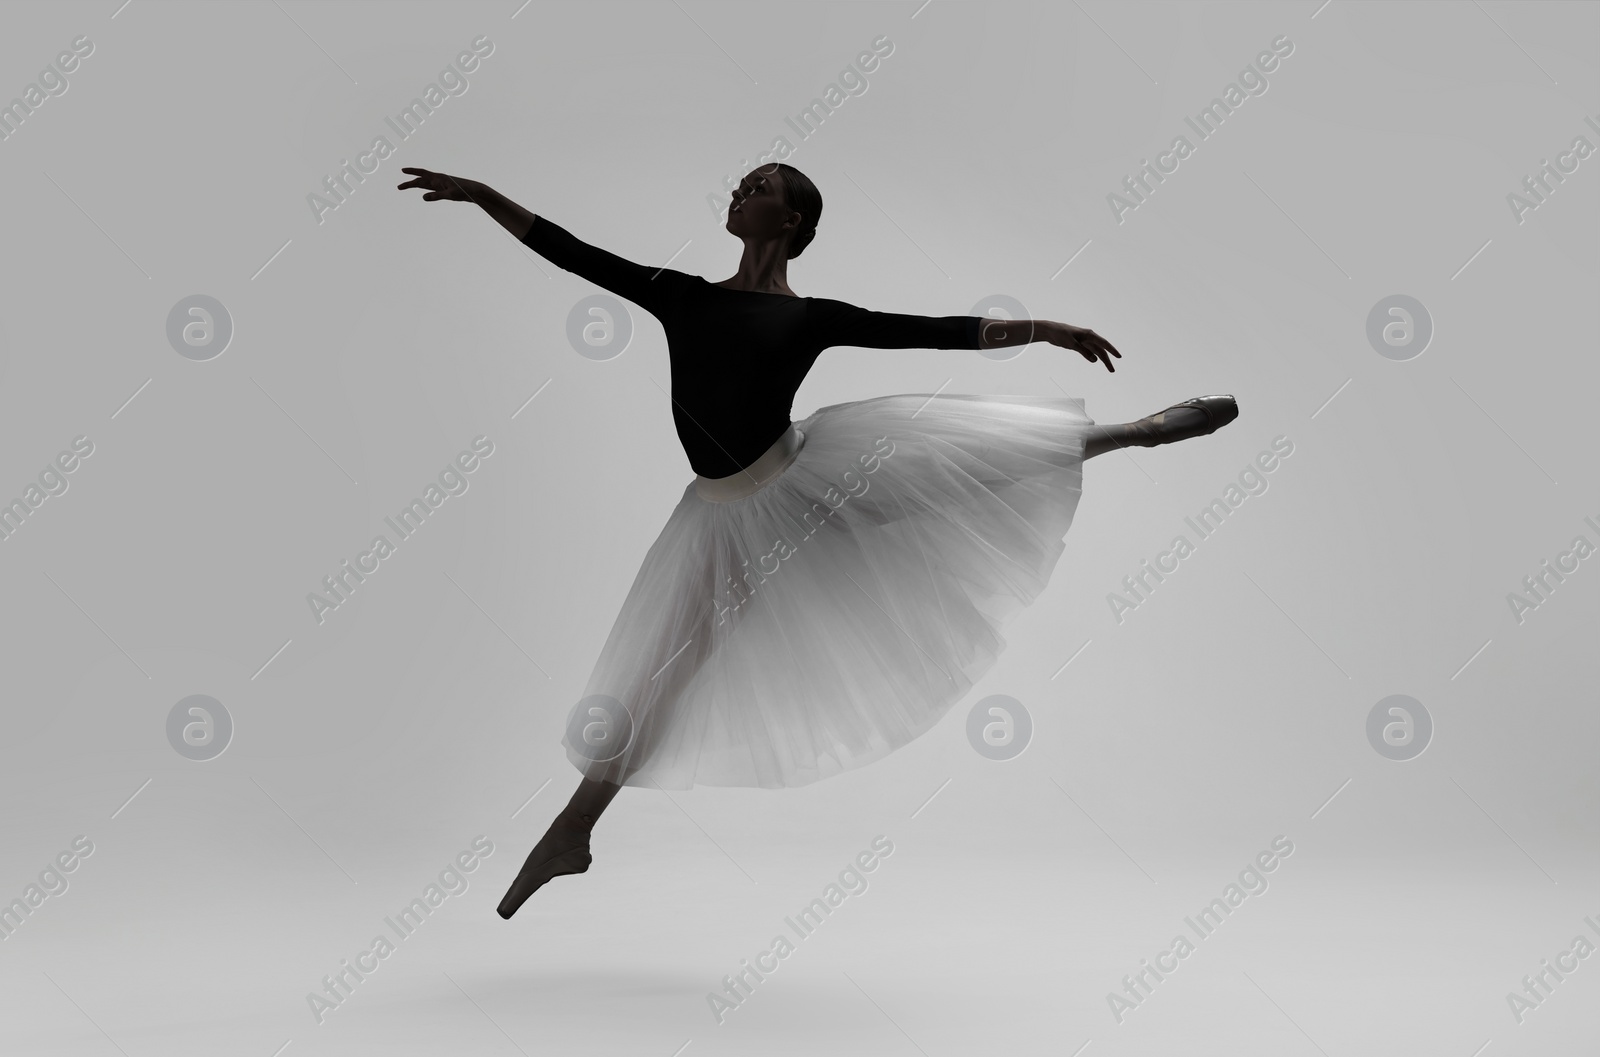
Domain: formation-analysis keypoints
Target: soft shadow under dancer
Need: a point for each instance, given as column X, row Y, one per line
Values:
column 853, row 641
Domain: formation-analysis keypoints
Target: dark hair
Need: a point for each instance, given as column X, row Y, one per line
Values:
column 802, row 196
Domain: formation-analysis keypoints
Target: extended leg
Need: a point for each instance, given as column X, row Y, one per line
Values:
column 1191, row 418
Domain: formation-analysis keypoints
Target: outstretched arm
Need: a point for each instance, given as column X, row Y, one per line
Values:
column 623, row 277
column 840, row 323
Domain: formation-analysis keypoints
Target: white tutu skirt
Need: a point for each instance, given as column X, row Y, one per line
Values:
column 841, row 608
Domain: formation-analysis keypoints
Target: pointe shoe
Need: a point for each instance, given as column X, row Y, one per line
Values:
column 1217, row 410
column 568, row 858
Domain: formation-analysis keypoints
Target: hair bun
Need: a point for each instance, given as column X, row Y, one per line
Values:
column 801, row 241
column 801, row 196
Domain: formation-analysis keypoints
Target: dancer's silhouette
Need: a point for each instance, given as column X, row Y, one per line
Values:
column 826, row 589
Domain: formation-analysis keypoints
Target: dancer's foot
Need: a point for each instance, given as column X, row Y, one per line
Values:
column 558, row 852
column 1190, row 418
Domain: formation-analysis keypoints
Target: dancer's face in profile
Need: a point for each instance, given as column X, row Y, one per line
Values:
column 758, row 210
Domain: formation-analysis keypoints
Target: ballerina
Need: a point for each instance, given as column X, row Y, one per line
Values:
column 825, row 590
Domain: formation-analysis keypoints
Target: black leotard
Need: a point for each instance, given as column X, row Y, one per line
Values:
column 739, row 355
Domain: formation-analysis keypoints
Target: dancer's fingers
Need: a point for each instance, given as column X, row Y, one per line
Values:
column 1102, row 345
column 1087, row 344
column 437, row 192
column 1095, row 349
column 442, row 186
column 422, row 177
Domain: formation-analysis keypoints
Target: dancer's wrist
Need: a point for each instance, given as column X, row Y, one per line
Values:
column 1081, row 340
column 508, row 214
column 1005, row 333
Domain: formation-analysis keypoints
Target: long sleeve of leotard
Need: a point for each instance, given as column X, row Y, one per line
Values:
column 839, row 323
column 644, row 286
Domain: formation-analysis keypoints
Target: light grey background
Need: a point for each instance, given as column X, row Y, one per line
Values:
column 1226, row 710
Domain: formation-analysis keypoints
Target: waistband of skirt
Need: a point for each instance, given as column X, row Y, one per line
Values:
column 757, row 475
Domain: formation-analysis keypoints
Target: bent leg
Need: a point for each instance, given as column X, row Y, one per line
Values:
column 564, row 848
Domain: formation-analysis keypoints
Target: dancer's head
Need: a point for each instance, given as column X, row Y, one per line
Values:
column 776, row 202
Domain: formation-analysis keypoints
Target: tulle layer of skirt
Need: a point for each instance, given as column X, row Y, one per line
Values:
column 841, row 609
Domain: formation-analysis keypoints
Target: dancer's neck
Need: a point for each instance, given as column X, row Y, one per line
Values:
column 762, row 269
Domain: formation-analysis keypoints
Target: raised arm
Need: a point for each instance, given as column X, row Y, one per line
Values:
column 623, row 277
column 839, row 323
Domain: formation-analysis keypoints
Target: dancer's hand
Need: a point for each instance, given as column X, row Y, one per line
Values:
column 440, row 188
column 443, row 188
column 1083, row 341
